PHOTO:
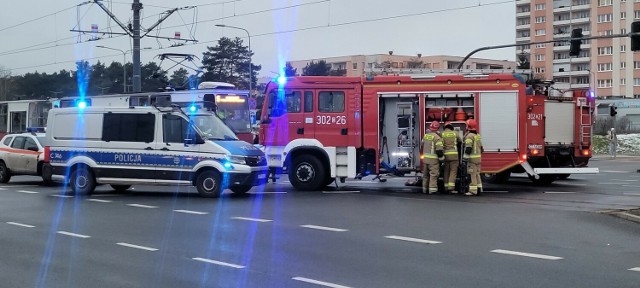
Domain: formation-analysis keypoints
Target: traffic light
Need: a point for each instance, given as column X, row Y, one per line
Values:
column 635, row 39
column 612, row 110
column 574, row 48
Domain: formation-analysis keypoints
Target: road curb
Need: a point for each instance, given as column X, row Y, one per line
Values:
column 624, row 214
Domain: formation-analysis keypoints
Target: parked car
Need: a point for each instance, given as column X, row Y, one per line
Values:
column 23, row 154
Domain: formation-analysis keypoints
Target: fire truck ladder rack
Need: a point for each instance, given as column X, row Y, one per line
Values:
column 586, row 121
column 426, row 73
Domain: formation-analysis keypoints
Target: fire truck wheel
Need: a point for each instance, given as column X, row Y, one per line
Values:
column 5, row 176
column 544, row 180
column 563, row 176
column 497, row 178
column 306, row 173
column 328, row 180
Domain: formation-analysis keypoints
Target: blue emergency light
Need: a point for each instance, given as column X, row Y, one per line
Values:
column 193, row 108
column 36, row 129
column 82, row 104
column 282, row 80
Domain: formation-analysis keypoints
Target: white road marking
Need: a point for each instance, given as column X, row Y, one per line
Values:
column 608, row 183
column 251, row 219
column 191, row 212
column 632, row 186
column 558, row 192
column 326, row 284
column 218, row 263
column 412, row 239
column 341, row 192
column 267, row 192
column 21, row 225
column 142, row 206
column 324, row 228
column 574, row 184
column 15, row 186
column 637, row 269
column 532, row 255
column 73, row 234
column 106, row 195
column 99, row 200
column 27, row 192
column 61, row 196
column 497, row 191
column 614, row 171
column 3, row 188
column 632, row 194
column 631, row 180
column 136, row 246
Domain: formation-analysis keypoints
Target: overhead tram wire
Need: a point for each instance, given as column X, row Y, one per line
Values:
column 302, row 29
column 36, row 19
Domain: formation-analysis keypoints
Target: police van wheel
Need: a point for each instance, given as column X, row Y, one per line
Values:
column 120, row 188
column 240, row 189
column 208, row 184
column 307, row 173
column 82, row 181
column 5, row 176
column 46, row 173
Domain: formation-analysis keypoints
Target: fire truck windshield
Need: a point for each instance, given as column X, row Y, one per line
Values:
column 234, row 111
column 212, row 127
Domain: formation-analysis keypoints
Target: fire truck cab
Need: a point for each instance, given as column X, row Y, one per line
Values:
column 317, row 129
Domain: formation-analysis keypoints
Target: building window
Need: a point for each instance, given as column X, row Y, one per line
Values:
column 606, row 33
column 540, row 70
column 605, row 50
column 623, row 65
column 636, row 81
column 540, row 45
column 623, row 15
column 605, row 67
column 539, row 57
column 540, row 6
column 541, row 19
column 355, row 66
column 607, row 17
column 540, row 32
column 605, row 83
column 636, row 14
column 605, row 2
column 623, row 81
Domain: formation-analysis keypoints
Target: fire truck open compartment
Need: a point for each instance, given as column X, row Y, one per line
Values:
column 399, row 131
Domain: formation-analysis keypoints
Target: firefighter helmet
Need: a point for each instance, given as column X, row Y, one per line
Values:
column 435, row 125
column 472, row 125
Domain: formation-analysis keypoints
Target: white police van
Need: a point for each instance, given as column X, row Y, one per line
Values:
column 149, row 145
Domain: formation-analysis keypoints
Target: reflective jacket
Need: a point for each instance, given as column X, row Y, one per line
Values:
column 450, row 142
column 431, row 143
column 473, row 145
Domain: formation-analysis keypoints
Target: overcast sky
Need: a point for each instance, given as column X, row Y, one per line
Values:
column 320, row 28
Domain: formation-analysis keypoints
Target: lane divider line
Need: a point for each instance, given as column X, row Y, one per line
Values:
column 340, row 192
column 61, row 196
column 410, row 239
column 558, row 192
column 27, row 192
column 142, row 206
column 136, row 246
column 191, row 212
column 218, row 263
column 20, row 224
column 266, row 192
column 251, row 219
column 532, row 255
column 322, row 283
column 99, row 200
column 324, row 228
column 636, row 269
column 495, row 191
column 73, row 234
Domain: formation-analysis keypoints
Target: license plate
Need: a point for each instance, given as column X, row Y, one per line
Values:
column 262, row 176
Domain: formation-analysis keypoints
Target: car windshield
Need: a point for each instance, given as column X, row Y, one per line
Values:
column 234, row 111
column 213, row 128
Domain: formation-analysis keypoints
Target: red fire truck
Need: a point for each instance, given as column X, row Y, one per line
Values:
column 318, row 129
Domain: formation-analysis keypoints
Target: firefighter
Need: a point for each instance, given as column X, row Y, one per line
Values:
column 450, row 147
column 472, row 153
column 431, row 155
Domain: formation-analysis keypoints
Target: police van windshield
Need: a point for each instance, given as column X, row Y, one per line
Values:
column 213, row 128
column 234, row 111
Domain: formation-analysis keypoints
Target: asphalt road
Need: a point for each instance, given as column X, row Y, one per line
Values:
column 363, row 234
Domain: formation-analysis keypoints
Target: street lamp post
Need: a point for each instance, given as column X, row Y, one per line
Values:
column 124, row 61
column 250, row 66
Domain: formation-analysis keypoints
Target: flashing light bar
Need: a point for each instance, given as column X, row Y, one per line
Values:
column 230, row 99
column 282, row 80
column 82, row 104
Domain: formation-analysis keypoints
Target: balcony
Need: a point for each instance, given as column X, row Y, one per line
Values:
column 571, row 73
column 572, row 60
column 566, row 47
column 523, row 27
column 580, row 86
column 519, row 2
column 580, row 21
column 571, row 8
column 523, row 39
column 523, row 14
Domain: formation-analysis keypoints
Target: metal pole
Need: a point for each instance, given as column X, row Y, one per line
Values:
column 124, row 71
column 250, row 66
column 136, row 7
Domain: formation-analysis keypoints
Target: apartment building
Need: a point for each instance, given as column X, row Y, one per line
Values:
column 359, row 65
column 606, row 65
